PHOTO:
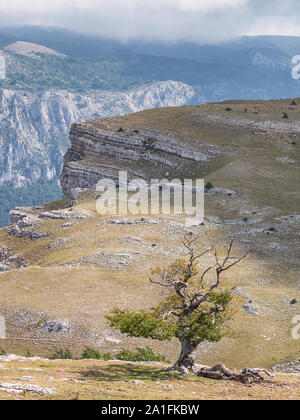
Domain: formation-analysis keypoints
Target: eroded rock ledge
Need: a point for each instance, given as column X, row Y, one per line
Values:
column 101, row 148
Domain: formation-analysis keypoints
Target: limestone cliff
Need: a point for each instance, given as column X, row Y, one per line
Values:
column 34, row 127
column 102, row 148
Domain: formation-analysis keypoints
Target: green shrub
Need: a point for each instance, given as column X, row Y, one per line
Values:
column 62, row 354
column 140, row 355
column 285, row 115
column 90, row 353
column 121, row 130
column 28, row 353
column 107, row 356
column 228, row 109
column 2, row 352
column 294, row 301
column 209, row 186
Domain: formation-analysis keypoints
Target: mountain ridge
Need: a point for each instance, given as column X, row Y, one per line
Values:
column 30, row 49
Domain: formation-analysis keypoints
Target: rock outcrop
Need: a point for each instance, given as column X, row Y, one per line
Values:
column 101, row 149
column 8, row 261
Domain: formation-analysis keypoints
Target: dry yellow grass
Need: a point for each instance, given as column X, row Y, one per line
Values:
column 97, row 380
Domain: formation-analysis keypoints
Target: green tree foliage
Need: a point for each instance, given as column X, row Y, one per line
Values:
column 198, row 306
column 141, row 324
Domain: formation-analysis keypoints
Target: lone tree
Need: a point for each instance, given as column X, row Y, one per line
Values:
column 197, row 307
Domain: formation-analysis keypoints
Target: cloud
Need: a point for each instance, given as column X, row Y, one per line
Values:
column 276, row 17
column 168, row 20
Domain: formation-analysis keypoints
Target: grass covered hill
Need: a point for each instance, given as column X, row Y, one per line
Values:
column 86, row 264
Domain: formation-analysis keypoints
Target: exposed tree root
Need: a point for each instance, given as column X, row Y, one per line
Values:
column 245, row 376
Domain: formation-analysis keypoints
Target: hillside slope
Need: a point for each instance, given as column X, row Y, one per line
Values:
column 64, row 266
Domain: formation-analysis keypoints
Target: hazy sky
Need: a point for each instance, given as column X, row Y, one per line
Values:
column 169, row 20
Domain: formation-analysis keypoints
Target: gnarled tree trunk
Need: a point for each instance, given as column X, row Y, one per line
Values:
column 245, row 376
column 187, row 359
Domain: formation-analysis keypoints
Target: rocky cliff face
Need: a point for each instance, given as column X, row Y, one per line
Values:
column 34, row 127
column 102, row 148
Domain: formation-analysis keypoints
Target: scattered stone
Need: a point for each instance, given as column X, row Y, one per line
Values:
column 56, row 215
column 15, row 358
column 289, row 367
column 28, row 221
column 18, row 214
column 34, row 236
column 4, row 253
column 251, row 309
column 18, row 388
column 10, row 262
column 241, row 293
column 68, row 224
column 4, row 267
column 270, row 230
column 112, row 340
column 57, row 326
column 58, row 243
column 24, row 233
column 134, row 240
column 286, row 160
column 27, row 378
column 224, row 191
column 121, row 222
column 19, row 232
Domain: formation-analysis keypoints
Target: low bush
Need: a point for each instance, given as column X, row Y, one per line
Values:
column 107, row 356
column 90, row 353
column 140, row 355
column 294, row 302
column 209, row 186
column 62, row 354
column 28, row 353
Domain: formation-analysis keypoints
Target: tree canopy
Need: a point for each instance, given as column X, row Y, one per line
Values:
column 198, row 305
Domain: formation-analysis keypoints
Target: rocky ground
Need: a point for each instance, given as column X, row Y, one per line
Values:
column 43, row 379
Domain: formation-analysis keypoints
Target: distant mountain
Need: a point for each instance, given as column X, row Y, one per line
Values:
column 31, row 50
column 244, row 68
